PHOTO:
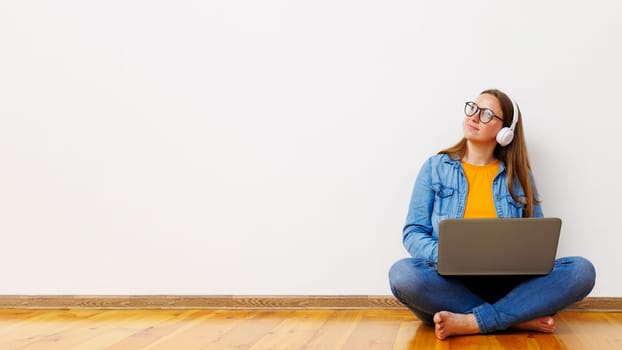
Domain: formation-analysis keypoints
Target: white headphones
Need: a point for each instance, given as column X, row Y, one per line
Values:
column 506, row 135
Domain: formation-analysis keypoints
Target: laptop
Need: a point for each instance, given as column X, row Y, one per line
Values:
column 496, row 246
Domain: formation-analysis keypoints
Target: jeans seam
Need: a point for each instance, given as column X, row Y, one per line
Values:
column 479, row 320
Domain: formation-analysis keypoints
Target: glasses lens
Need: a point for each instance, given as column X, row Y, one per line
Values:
column 470, row 108
column 486, row 115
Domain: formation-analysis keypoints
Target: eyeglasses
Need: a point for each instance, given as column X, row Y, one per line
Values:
column 485, row 114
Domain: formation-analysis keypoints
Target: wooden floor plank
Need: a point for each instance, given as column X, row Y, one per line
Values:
column 121, row 329
column 548, row 341
column 281, row 329
column 203, row 334
column 248, row 331
column 11, row 320
column 406, row 333
column 209, row 330
column 46, row 324
column 592, row 330
column 14, row 320
column 81, row 330
column 335, row 331
column 161, row 327
column 564, row 333
column 295, row 331
column 174, row 338
column 514, row 340
column 376, row 330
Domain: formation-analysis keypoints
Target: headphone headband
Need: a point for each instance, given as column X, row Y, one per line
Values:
column 514, row 115
column 505, row 135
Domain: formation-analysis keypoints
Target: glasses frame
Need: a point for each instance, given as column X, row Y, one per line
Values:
column 478, row 111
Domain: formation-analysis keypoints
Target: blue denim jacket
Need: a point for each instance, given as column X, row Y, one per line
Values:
column 440, row 193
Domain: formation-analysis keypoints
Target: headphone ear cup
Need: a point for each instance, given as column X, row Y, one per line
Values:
column 505, row 136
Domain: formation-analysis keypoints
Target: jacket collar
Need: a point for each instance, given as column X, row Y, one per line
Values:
column 454, row 161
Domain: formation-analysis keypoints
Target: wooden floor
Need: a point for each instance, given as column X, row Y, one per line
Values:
column 279, row 329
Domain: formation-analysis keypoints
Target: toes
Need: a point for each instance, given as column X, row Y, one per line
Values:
column 439, row 329
column 440, row 334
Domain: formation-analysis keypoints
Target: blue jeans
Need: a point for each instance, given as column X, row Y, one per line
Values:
column 497, row 302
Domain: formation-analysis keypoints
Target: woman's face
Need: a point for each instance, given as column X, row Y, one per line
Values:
column 475, row 130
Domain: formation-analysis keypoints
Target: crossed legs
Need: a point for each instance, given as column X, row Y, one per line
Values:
column 483, row 305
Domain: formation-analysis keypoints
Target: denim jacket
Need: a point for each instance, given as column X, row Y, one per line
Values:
column 440, row 192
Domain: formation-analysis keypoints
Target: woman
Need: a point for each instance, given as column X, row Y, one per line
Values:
column 471, row 179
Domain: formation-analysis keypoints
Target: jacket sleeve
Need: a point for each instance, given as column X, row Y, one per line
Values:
column 417, row 234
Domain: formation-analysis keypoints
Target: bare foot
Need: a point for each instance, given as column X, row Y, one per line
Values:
column 448, row 324
column 543, row 324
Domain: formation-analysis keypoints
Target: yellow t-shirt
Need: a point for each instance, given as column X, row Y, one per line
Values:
column 479, row 202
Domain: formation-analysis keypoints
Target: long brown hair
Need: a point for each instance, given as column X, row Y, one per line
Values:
column 513, row 155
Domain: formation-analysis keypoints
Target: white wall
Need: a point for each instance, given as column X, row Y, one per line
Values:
column 270, row 147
